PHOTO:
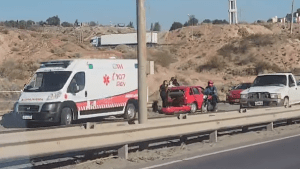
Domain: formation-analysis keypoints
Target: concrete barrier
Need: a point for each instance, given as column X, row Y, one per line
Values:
column 62, row 140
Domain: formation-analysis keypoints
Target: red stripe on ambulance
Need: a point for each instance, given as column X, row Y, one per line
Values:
column 111, row 102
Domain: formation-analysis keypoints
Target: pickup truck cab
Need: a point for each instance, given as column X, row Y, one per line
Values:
column 278, row 89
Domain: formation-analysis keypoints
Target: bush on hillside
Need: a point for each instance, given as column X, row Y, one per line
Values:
column 176, row 25
column 215, row 62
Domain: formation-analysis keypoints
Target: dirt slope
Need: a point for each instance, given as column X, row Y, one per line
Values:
column 226, row 54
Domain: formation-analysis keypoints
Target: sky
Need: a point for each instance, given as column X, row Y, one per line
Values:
column 123, row 11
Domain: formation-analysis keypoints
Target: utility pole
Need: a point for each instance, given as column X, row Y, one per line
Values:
column 292, row 21
column 192, row 20
column 142, row 61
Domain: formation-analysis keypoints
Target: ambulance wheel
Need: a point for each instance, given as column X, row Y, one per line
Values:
column 66, row 116
column 130, row 112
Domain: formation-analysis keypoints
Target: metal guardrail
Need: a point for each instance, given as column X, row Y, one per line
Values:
column 63, row 140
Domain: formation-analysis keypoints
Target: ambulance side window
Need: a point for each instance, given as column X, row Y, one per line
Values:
column 78, row 82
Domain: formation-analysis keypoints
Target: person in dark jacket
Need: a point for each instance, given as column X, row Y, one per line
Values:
column 175, row 83
column 163, row 90
column 212, row 90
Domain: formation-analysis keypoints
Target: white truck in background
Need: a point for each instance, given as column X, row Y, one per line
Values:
column 278, row 89
column 121, row 39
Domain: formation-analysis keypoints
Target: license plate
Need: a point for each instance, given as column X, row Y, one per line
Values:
column 237, row 100
column 260, row 103
column 27, row 117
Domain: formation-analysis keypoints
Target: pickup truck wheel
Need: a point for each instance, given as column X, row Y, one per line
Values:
column 193, row 108
column 286, row 103
column 130, row 111
column 66, row 116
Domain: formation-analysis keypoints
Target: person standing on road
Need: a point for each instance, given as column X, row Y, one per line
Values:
column 212, row 91
column 175, row 83
column 171, row 82
column 163, row 89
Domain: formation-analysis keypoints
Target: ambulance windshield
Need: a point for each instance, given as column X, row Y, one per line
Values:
column 47, row 81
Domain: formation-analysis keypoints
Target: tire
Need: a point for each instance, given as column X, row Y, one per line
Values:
column 130, row 111
column 193, row 108
column 204, row 108
column 66, row 116
column 286, row 102
column 231, row 103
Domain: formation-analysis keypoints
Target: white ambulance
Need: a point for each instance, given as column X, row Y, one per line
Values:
column 67, row 90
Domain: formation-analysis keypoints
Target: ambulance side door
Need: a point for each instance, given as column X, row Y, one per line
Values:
column 77, row 88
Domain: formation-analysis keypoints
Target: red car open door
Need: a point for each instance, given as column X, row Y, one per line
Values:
column 198, row 97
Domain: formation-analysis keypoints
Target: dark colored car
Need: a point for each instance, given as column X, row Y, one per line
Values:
column 234, row 94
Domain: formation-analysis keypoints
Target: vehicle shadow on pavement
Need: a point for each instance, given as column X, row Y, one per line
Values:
column 10, row 120
column 61, row 160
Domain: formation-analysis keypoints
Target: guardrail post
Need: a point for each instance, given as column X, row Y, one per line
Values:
column 123, row 152
column 90, row 125
column 183, row 140
column 143, row 146
column 270, row 127
column 244, row 129
column 213, row 136
column 289, row 122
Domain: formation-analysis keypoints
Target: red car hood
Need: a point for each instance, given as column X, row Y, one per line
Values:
column 236, row 92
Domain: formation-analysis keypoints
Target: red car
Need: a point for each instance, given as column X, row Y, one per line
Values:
column 234, row 94
column 184, row 99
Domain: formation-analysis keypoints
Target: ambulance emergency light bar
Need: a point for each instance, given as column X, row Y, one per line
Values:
column 62, row 64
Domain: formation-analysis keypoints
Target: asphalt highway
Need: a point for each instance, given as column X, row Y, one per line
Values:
column 279, row 154
column 13, row 124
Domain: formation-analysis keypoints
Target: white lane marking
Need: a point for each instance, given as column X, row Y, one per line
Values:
column 164, row 164
column 219, row 152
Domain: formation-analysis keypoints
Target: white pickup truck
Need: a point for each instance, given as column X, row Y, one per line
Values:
column 278, row 89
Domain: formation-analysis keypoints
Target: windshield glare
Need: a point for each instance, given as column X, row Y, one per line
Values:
column 270, row 80
column 47, row 81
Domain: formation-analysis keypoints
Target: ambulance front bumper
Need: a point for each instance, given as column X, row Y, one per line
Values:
column 47, row 112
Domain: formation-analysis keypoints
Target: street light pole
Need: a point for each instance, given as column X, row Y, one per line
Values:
column 142, row 61
column 292, row 22
column 192, row 26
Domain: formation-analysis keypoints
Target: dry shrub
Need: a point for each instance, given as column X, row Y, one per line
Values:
column 6, row 85
column 47, row 35
column 236, row 48
column 12, row 69
column 215, row 62
column 260, row 39
column 243, row 32
column 64, row 38
column 130, row 55
column 58, row 52
column 268, row 26
column 22, row 37
column 245, row 59
column 68, row 47
column 161, row 57
column 15, row 49
column 266, row 66
column 82, row 46
column 77, row 55
column 33, row 35
column 4, row 31
column 35, row 28
column 123, row 48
